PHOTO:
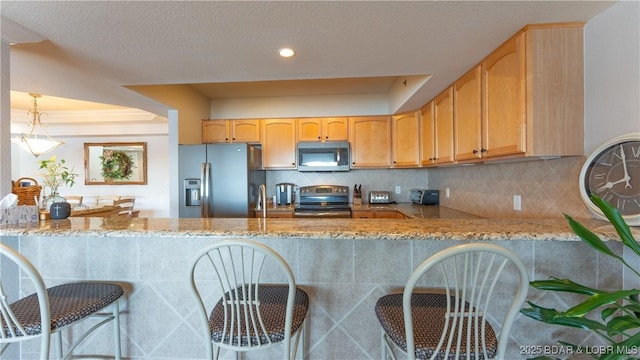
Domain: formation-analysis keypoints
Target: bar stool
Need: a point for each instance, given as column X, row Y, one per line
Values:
column 453, row 320
column 250, row 314
column 58, row 307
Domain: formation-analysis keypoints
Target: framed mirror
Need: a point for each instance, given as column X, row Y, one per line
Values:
column 115, row 163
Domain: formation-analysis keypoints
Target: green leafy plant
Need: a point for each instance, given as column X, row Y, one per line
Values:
column 56, row 173
column 614, row 314
column 116, row 165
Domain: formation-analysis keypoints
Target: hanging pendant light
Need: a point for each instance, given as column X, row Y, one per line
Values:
column 37, row 141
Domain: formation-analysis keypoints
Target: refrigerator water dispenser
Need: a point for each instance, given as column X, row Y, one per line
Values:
column 192, row 192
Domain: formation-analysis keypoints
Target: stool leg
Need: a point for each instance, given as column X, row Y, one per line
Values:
column 58, row 339
column 116, row 330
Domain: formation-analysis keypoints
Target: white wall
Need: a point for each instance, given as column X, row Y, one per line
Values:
column 612, row 74
column 152, row 200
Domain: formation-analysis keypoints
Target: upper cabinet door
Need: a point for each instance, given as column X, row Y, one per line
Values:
column 310, row 130
column 323, row 129
column 335, row 129
column 215, row 131
column 279, row 144
column 443, row 112
column 245, row 131
column 427, row 135
column 467, row 115
column 405, row 139
column 504, row 82
column 370, row 146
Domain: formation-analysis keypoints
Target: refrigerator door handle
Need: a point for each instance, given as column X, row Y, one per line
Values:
column 205, row 186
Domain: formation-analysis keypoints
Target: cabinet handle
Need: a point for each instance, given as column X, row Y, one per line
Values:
column 475, row 151
column 234, row 139
column 483, row 150
column 319, row 137
column 327, row 137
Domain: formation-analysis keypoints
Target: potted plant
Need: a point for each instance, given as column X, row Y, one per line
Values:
column 612, row 315
column 55, row 173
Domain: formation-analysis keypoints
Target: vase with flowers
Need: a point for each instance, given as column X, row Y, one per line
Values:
column 55, row 173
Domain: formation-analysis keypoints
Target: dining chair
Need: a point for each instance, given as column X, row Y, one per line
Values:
column 106, row 199
column 48, row 311
column 124, row 207
column 74, row 200
column 255, row 303
column 462, row 289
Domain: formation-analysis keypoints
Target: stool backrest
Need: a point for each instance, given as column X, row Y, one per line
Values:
column 237, row 269
column 486, row 279
column 12, row 330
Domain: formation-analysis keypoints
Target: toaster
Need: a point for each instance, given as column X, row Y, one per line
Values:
column 379, row 197
column 425, row 197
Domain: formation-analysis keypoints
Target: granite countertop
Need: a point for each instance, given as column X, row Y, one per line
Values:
column 418, row 212
column 409, row 210
column 365, row 229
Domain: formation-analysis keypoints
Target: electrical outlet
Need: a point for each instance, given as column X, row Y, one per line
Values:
column 517, row 203
column 447, row 193
column 398, row 189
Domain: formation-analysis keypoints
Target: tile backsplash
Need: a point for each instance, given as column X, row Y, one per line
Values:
column 371, row 180
column 548, row 188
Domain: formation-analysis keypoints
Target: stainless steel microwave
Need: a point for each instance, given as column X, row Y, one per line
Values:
column 323, row 156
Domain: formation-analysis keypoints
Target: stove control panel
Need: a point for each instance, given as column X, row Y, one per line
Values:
column 316, row 190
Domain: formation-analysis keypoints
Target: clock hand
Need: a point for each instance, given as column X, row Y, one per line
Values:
column 624, row 166
column 610, row 184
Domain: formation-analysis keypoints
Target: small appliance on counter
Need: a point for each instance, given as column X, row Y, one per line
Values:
column 285, row 194
column 379, row 197
column 425, row 197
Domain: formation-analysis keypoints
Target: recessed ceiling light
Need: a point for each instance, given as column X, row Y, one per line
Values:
column 286, row 52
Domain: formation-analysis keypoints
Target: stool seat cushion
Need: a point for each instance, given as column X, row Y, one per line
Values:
column 68, row 303
column 272, row 300
column 428, row 313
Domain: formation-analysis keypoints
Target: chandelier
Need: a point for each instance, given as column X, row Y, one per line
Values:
column 37, row 141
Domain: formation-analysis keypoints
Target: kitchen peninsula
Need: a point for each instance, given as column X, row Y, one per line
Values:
column 344, row 264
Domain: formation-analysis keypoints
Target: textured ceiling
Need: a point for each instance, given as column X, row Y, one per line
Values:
column 229, row 48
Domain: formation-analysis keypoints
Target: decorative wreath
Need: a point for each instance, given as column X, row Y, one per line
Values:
column 116, row 165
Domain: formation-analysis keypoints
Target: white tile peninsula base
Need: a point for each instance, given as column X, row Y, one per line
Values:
column 344, row 278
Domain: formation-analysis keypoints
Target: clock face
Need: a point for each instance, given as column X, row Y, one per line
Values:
column 613, row 174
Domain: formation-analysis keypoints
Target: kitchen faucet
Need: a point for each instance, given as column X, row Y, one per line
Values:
column 262, row 198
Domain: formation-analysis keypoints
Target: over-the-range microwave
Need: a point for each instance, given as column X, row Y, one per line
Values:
column 323, row 156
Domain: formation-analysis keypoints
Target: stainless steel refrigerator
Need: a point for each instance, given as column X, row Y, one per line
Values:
column 219, row 180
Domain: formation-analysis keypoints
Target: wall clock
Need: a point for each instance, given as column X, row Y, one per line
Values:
column 612, row 172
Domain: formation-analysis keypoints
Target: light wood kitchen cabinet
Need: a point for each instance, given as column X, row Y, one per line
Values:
column 533, row 103
column 214, row 131
column 361, row 214
column 370, row 142
column 405, row 143
column 443, row 118
column 323, row 129
column 467, row 116
column 427, row 135
column 275, row 214
column 230, row 131
column 279, row 143
column 376, row 214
